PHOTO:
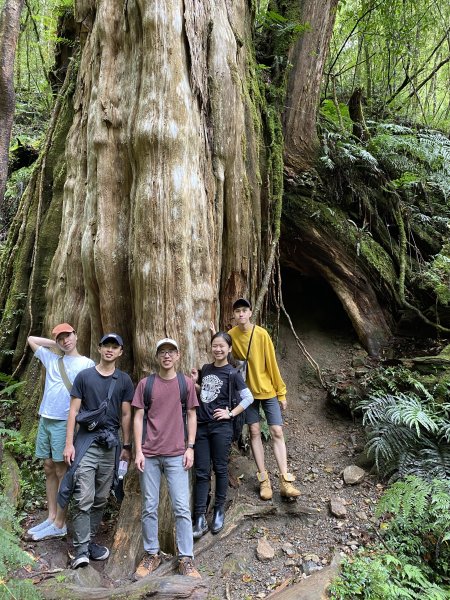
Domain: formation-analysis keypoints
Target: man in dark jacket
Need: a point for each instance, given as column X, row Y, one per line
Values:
column 100, row 402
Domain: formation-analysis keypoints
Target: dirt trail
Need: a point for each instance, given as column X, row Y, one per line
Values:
column 321, row 442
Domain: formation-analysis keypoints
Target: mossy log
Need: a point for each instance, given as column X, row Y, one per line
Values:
column 10, row 476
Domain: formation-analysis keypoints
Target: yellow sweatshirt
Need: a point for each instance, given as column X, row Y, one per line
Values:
column 263, row 375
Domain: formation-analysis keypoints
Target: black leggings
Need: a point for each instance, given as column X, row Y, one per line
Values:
column 212, row 444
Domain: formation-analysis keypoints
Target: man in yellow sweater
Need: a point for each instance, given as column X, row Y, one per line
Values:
column 269, row 391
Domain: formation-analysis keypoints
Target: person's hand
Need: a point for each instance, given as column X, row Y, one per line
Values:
column 69, row 454
column 188, row 459
column 125, row 455
column 194, row 375
column 139, row 461
column 212, row 327
column 221, row 414
column 283, row 404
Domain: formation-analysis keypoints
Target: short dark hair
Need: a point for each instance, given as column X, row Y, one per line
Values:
column 242, row 302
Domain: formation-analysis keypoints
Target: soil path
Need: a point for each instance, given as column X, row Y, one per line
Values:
column 303, row 534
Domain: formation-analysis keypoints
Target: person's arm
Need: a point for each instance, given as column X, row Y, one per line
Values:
column 126, row 430
column 69, row 450
column 194, row 377
column 34, row 342
column 274, row 372
column 137, row 426
column 188, row 458
column 221, row 414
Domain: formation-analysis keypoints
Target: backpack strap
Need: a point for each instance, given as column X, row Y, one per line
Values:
column 231, row 387
column 183, row 397
column 148, row 401
column 63, row 373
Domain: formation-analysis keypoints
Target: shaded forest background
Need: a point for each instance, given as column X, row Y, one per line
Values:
column 318, row 149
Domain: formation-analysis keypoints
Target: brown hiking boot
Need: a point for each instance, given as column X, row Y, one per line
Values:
column 265, row 489
column 148, row 564
column 186, row 567
column 286, row 487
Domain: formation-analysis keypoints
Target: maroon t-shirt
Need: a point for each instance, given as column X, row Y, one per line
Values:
column 165, row 428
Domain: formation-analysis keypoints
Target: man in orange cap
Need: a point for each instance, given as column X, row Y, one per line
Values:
column 54, row 409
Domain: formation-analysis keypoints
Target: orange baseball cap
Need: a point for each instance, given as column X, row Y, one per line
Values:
column 62, row 328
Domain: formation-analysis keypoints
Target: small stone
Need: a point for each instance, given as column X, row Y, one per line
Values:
column 288, row 549
column 264, row 550
column 362, row 515
column 290, row 563
column 337, row 508
column 311, row 557
column 353, row 475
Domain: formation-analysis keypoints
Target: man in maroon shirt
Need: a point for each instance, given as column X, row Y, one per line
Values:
column 163, row 447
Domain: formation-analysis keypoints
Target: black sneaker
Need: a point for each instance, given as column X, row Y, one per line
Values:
column 82, row 560
column 97, row 552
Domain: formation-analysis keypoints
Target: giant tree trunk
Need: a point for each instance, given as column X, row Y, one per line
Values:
column 151, row 222
column 9, row 33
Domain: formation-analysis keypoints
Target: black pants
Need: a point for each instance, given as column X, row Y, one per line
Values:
column 212, row 444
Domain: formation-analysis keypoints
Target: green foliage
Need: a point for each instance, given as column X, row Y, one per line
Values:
column 12, row 557
column 413, row 560
column 407, row 420
column 22, row 448
column 397, row 53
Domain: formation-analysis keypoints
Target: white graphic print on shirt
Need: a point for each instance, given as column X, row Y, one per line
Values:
column 211, row 385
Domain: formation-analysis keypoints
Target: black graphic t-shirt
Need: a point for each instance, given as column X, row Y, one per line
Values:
column 213, row 383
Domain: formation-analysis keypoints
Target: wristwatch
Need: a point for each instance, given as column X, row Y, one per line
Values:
column 127, row 446
column 230, row 414
column 191, row 446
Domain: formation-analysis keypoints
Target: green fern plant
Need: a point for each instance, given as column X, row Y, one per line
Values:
column 12, row 557
column 413, row 557
column 408, row 430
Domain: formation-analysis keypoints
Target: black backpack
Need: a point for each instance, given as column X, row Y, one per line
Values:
column 148, row 401
column 233, row 400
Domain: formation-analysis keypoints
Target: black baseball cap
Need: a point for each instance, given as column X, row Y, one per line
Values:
column 241, row 302
column 111, row 337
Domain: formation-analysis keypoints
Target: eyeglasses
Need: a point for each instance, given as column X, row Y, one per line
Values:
column 167, row 352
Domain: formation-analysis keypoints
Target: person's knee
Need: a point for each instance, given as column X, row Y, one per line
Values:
column 276, row 432
column 60, row 469
column 255, row 430
column 49, row 467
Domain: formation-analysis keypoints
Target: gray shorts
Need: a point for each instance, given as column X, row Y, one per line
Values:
column 271, row 408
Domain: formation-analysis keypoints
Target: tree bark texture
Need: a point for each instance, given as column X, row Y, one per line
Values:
column 303, row 89
column 9, row 33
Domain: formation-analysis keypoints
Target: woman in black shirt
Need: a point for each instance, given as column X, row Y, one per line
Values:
column 215, row 431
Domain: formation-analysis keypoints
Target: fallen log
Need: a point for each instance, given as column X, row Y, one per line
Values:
column 157, row 588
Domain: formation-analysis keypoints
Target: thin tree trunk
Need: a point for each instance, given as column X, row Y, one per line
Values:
column 9, row 33
column 308, row 58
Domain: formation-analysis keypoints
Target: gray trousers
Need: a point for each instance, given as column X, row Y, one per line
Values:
column 178, row 484
column 93, row 479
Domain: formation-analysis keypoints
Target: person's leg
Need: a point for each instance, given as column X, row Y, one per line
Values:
column 221, row 436
column 252, row 419
column 83, row 498
column 51, row 487
column 106, row 460
column 178, row 484
column 272, row 411
column 202, row 465
column 150, row 481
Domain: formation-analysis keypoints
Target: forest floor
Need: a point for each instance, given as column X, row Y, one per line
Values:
column 303, row 534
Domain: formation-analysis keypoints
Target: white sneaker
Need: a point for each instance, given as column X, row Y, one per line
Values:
column 49, row 532
column 39, row 526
